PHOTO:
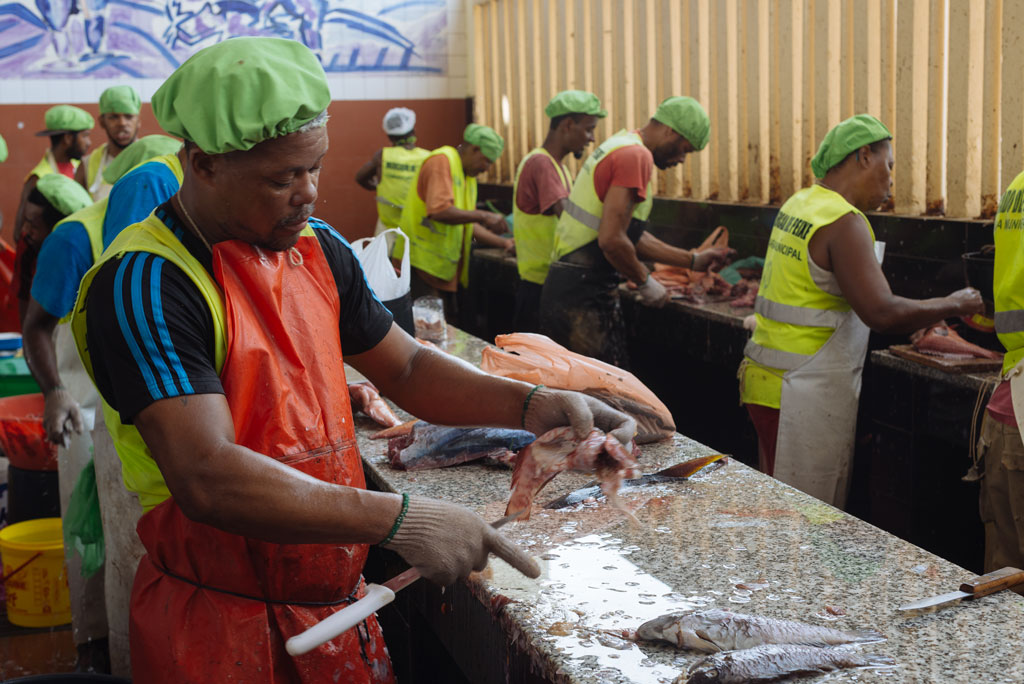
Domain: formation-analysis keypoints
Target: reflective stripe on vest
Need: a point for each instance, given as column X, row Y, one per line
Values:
column 438, row 248
column 535, row 233
column 398, row 167
column 579, row 223
column 1008, row 285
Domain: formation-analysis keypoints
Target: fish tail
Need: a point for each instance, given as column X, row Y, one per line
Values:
column 875, row 660
column 865, row 635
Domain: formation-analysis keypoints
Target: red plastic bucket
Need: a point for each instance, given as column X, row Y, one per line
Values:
column 21, row 433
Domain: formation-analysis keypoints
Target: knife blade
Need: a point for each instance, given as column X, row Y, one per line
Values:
column 377, row 596
column 983, row 585
column 680, row 471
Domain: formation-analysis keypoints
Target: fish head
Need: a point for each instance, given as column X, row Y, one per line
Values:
column 704, row 672
column 684, row 630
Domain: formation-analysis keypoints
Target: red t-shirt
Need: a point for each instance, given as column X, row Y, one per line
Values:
column 1000, row 406
column 66, row 168
column 625, row 167
column 540, row 186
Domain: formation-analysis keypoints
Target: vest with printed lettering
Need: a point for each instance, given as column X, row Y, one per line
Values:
column 398, row 167
column 535, row 233
column 1008, row 281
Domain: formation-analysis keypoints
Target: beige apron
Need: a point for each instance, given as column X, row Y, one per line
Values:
column 818, row 412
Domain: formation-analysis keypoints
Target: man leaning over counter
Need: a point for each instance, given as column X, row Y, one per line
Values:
column 822, row 293
column 215, row 330
column 602, row 234
column 541, row 186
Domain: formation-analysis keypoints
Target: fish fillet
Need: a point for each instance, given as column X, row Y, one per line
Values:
column 772, row 662
column 428, row 446
column 559, row 450
column 364, row 397
column 941, row 340
column 720, row 630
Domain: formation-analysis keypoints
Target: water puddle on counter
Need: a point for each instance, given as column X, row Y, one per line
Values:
column 588, row 593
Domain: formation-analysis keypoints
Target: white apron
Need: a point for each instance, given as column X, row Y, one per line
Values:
column 818, row 412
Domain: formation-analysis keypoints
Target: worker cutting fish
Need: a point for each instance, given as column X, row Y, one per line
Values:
column 214, row 331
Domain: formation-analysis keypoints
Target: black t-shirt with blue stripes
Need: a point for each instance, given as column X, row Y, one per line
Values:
column 151, row 336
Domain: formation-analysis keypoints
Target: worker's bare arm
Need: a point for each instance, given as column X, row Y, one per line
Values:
column 488, row 219
column 220, row 483
column 368, row 175
column 438, row 387
column 40, row 353
column 845, row 248
column 612, row 237
column 19, row 216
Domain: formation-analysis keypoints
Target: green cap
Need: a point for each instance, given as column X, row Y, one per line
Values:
column 142, row 150
column 66, row 195
column 66, row 119
column 3, row 149
column 237, row 93
column 846, row 137
column 486, row 138
column 575, row 102
column 685, row 116
column 120, row 99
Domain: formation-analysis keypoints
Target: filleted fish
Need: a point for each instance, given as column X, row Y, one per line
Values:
column 770, row 662
column 719, row 630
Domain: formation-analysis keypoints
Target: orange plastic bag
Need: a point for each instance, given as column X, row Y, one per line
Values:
column 8, row 301
column 539, row 360
column 22, row 437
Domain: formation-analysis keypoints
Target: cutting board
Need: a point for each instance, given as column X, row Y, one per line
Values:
column 907, row 351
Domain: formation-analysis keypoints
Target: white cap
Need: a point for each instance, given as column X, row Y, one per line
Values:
column 399, row 121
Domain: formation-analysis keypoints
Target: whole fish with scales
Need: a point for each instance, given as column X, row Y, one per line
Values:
column 773, row 662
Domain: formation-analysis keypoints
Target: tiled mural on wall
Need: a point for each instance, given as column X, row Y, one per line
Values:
column 149, row 38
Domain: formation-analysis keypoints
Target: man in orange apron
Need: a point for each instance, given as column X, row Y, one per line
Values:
column 215, row 331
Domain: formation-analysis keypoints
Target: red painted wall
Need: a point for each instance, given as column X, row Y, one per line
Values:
column 355, row 134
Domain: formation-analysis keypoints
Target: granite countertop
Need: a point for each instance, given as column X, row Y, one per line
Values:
column 694, row 543
column 973, row 381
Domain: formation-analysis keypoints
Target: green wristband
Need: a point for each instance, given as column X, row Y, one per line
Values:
column 398, row 520
column 526, row 403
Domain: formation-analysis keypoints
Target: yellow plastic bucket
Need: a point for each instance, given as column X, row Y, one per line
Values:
column 37, row 595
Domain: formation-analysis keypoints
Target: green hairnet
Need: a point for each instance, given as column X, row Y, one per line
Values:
column 242, row 91
column 3, row 149
column 575, row 102
column 846, row 137
column 685, row 116
column 66, row 195
column 66, row 119
column 485, row 137
column 140, row 151
column 120, row 99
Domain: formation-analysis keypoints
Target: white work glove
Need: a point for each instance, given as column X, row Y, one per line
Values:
column 652, row 293
column 548, row 409
column 61, row 415
column 445, row 542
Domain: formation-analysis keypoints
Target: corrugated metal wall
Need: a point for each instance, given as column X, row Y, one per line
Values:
column 774, row 75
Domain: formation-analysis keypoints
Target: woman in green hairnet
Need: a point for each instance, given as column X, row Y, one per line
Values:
column 821, row 294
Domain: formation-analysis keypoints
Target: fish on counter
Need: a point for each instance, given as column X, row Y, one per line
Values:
column 395, row 431
column 720, row 630
column 365, row 397
column 772, row 662
column 427, row 446
column 745, row 293
column 942, row 340
column 559, row 450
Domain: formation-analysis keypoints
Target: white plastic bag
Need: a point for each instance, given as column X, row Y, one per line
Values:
column 391, row 288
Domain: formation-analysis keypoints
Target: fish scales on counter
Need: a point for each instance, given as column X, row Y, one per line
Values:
column 365, row 397
column 560, row 450
column 539, row 360
column 771, row 662
column 942, row 340
column 427, row 446
column 720, row 630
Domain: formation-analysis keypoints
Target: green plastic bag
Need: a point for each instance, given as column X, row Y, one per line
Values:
column 83, row 527
column 731, row 273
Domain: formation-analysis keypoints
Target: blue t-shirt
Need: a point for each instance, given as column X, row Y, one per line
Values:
column 66, row 255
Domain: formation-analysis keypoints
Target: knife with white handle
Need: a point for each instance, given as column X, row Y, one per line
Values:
column 982, row 585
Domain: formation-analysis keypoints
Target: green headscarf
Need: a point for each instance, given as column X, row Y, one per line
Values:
column 3, row 149
column 242, row 91
column 685, row 116
column 120, row 99
column 66, row 119
column 66, row 195
column 140, row 151
column 486, row 138
column 846, row 137
column 575, row 102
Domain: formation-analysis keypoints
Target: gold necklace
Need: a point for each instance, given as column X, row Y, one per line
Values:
column 192, row 223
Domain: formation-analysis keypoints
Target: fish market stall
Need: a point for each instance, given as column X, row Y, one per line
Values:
column 729, row 538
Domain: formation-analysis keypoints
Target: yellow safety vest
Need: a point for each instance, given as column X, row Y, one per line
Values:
column 398, row 167
column 47, row 165
column 795, row 317
column 93, row 169
column 437, row 247
column 535, row 233
column 1008, row 281
column 579, row 223
column 91, row 219
column 140, row 471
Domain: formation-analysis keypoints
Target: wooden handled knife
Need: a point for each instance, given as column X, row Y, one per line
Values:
column 982, row 585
